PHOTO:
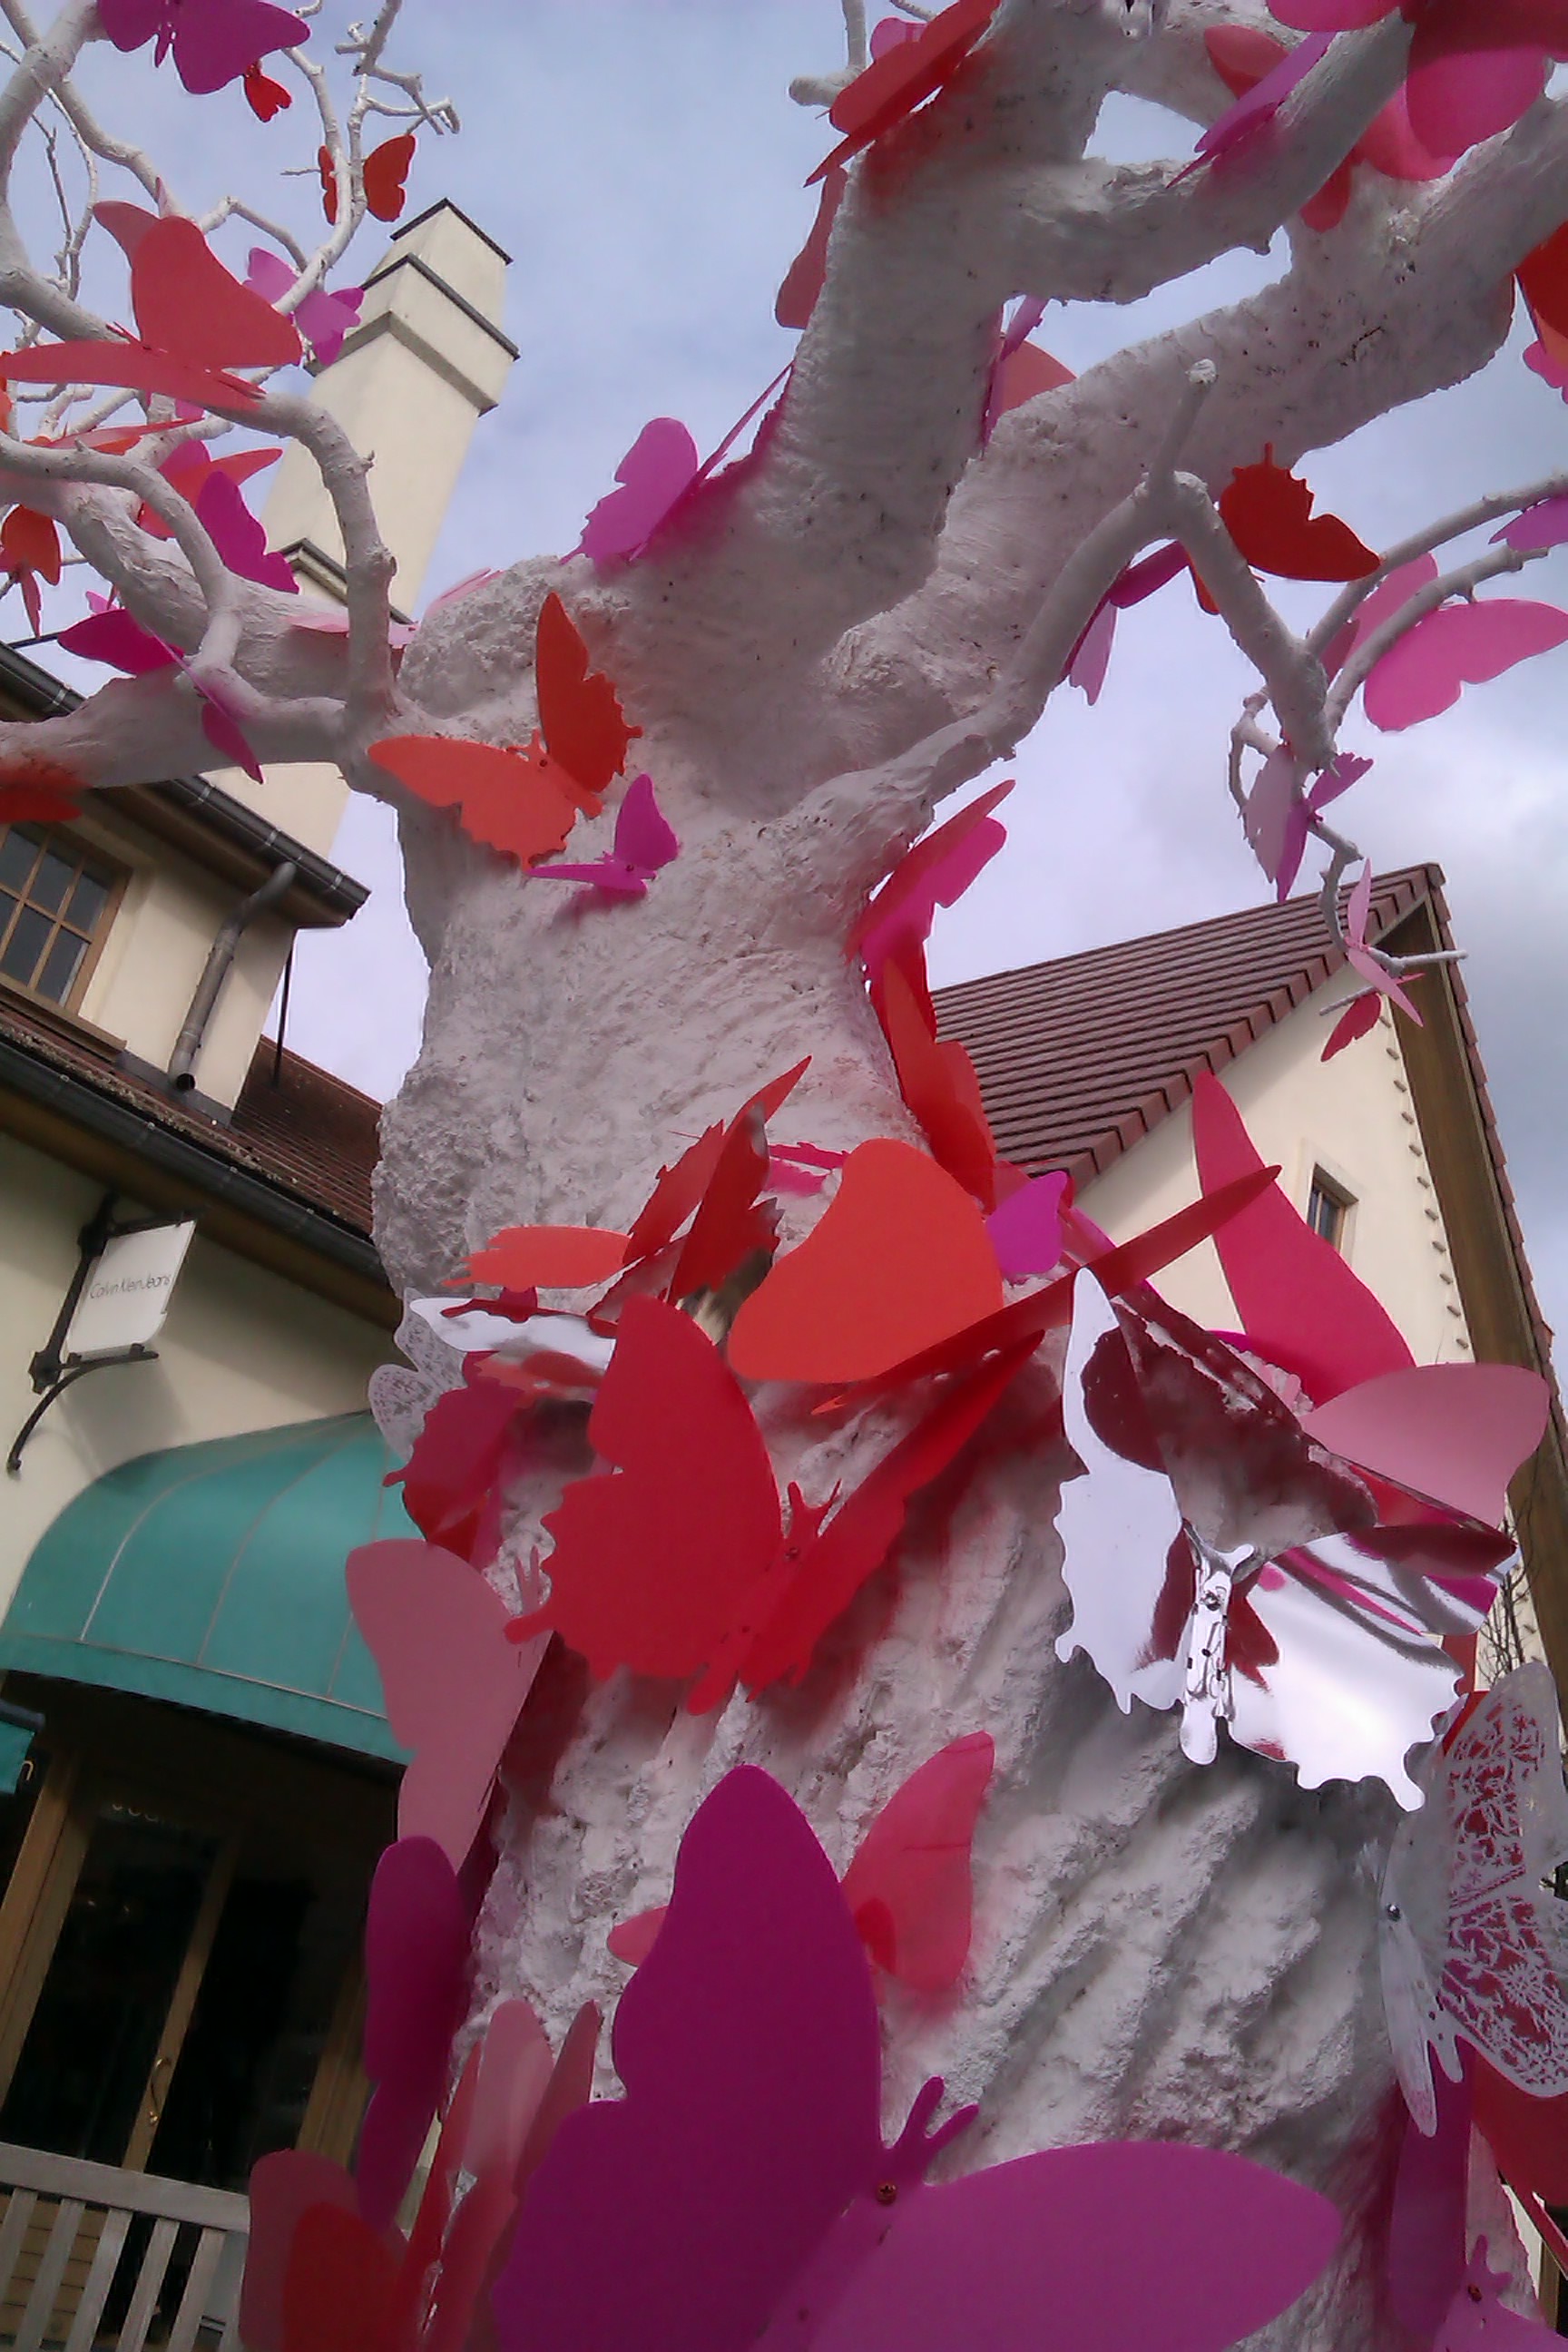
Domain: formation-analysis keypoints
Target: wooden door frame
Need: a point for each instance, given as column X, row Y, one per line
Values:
column 202, row 1773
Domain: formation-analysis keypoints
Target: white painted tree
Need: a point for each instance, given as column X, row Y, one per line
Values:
column 870, row 615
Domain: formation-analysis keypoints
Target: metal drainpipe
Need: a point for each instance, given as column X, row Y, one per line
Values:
column 220, row 955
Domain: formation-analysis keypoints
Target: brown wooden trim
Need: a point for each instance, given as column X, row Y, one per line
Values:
column 181, row 2004
column 1454, row 1114
column 337, row 2095
column 36, row 1902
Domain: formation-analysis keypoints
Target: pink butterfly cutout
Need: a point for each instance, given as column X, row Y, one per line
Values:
column 325, row 319
column 1250, row 114
column 454, row 1684
column 1545, row 524
column 1459, row 645
column 1549, row 367
column 214, row 41
column 1091, row 655
column 1475, row 65
column 661, row 464
column 740, row 2194
column 800, row 1167
column 1278, row 817
column 1357, row 1021
column 1474, row 1947
column 417, row 1965
column 644, row 843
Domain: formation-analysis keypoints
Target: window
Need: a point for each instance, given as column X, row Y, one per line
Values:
column 54, row 899
column 1327, row 1209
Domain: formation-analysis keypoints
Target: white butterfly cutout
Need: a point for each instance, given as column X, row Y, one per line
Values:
column 1221, row 1560
column 1474, row 1947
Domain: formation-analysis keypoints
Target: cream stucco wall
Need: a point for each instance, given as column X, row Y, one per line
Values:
column 242, row 1349
column 1353, row 1118
column 141, row 987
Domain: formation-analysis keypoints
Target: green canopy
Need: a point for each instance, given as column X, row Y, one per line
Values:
column 212, row 1576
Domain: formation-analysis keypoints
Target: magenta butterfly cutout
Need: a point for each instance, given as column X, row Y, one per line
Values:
column 214, row 41
column 740, row 2193
column 1361, row 1010
column 1545, row 524
column 645, row 844
column 1252, row 113
column 109, row 634
column 417, row 1966
column 1277, row 819
column 1472, row 73
column 661, row 464
column 1027, row 1229
column 1474, row 1947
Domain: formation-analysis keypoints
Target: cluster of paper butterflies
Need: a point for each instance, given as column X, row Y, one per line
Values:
column 1286, row 1535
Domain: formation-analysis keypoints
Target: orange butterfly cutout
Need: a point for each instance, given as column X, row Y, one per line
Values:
column 584, row 725
column 383, row 174
column 522, row 804
column 30, row 551
column 1543, row 281
column 525, row 802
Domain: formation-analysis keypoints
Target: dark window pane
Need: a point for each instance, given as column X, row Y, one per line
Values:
column 1326, row 1211
column 83, row 2070
column 7, row 909
column 87, row 903
column 18, row 855
column 60, row 967
column 53, row 879
column 30, row 937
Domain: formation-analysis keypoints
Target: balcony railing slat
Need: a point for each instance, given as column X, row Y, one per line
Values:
column 99, row 2279
column 51, row 2271
column 144, row 2302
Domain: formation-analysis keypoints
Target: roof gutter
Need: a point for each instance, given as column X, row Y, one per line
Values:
column 181, row 1158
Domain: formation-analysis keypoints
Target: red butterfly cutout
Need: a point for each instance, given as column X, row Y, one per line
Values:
column 264, row 96
column 681, row 1565
column 903, row 77
column 1267, row 511
column 30, row 551
column 584, row 727
column 803, row 280
column 384, row 173
column 38, row 791
column 195, row 322
column 899, row 1260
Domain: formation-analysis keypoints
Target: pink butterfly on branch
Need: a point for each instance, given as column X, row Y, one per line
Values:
column 1361, row 1011
column 325, row 319
column 644, row 845
column 1460, row 644
column 1476, row 65
column 214, row 41
column 109, row 634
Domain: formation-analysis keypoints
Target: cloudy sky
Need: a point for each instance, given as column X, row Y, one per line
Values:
column 641, row 162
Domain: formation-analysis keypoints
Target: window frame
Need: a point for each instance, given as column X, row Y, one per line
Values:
column 105, row 868
column 1321, row 1185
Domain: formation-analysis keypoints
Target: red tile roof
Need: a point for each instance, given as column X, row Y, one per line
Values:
column 309, row 1135
column 1081, row 1057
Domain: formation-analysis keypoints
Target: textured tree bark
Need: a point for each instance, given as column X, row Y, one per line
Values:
column 1160, row 1951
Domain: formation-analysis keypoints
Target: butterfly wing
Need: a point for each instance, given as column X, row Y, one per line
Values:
column 652, row 1562
column 1036, row 2252
column 1459, row 646
column 187, row 303
column 454, row 1684
column 748, row 2044
column 115, row 359
column 1507, row 1948
column 386, row 170
column 584, row 726
column 1299, row 1301
column 898, row 1261
column 417, row 1966
column 645, row 840
column 216, row 43
column 655, row 470
column 909, row 1885
column 519, row 802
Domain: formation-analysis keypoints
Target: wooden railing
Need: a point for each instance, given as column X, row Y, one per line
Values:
column 68, row 2232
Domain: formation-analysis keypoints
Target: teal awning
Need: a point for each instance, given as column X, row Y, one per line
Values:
column 212, row 1576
